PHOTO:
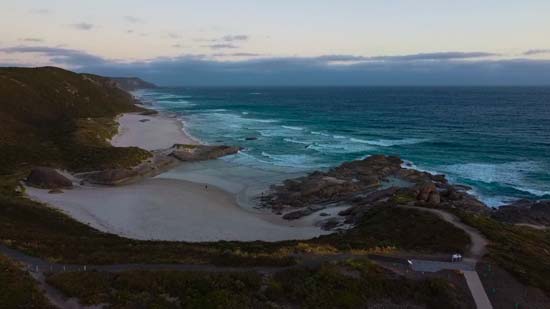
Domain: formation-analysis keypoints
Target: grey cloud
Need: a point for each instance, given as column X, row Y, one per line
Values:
column 436, row 56
column 58, row 55
column 83, row 26
column 342, row 58
column 134, row 20
column 234, row 38
column 412, row 57
column 39, row 11
column 222, row 46
column 35, row 40
column 199, row 70
column 174, row 35
column 536, row 52
column 236, row 55
column 245, row 55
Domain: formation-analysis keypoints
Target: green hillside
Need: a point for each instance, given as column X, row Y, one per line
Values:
column 48, row 114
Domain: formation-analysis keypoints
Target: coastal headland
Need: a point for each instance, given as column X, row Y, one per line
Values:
column 100, row 193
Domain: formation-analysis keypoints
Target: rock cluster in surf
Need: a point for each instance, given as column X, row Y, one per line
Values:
column 375, row 181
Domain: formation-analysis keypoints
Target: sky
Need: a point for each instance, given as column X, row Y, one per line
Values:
column 284, row 42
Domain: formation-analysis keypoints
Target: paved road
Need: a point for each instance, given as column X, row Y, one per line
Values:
column 435, row 266
column 477, row 290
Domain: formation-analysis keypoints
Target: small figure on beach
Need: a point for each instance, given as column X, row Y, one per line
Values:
column 206, row 187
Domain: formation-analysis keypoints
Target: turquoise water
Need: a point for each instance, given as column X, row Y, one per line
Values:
column 496, row 140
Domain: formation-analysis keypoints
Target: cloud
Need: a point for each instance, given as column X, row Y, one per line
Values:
column 201, row 70
column 134, row 20
column 39, row 11
column 451, row 68
column 436, row 56
column 243, row 55
column 59, row 56
column 173, row 35
column 234, row 38
column 222, row 46
column 342, row 58
column 225, row 42
column 533, row 52
column 34, row 40
column 83, row 26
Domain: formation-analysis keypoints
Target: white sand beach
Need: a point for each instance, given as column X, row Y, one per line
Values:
column 150, row 132
column 167, row 208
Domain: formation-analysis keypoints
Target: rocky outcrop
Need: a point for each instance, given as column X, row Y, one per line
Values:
column 201, row 152
column 111, row 177
column 132, row 83
column 363, row 184
column 161, row 161
column 48, row 178
column 524, row 211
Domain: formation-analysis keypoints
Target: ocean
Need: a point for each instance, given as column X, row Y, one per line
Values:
column 494, row 139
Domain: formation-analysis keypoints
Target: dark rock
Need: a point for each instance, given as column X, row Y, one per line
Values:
column 297, row 214
column 149, row 112
column 452, row 194
column 380, row 194
column 144, row 120
column 439, row 178
column 55, row 191
column 47, row 178
column 524, row 211
column 361, row 185
column 201, row 152
column 324, row 214
column 251, row 138
column 112, row 177
column 434, row 199
column 425, row 191
column 330, row 224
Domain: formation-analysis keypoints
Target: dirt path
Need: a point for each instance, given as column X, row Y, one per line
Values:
column 478, row 242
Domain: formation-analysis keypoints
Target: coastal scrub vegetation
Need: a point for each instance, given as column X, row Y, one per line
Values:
column 524, row 252
column 18, row 289
column 349, row 284
column 48, row 116
column 406, row 229
column 41, row 231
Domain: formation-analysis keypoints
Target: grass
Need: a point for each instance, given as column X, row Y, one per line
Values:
column 18, row 289
column 405, row 229
column 351, row 284
column 522, row 251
